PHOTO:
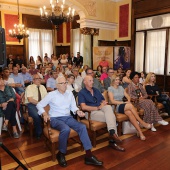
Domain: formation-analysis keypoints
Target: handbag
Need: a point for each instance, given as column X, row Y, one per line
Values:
column 128, row 128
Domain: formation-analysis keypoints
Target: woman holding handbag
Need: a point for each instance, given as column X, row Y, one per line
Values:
column 116, row 93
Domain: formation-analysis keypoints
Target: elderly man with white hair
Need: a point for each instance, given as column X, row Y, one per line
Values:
column 61, row 101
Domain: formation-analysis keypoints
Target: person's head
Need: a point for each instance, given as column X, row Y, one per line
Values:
column 75, row 72
column 54, row 57
column 104, row 70
column 110, row 72
column 58, row 69
column 103, row 58
column 6, row 72
column 36, row 79
column 24, row 70
column 88, row 81
column 85, row 67
column 54, row 74
column 119, row 70
column 67, row 55
column 18, row 66
column 78, row 54
column 39, row 58
column 127, row 73
column 42, row 70
column 61, row 84
column 15, row 70
column 10, row 56
column 32, row 66
column 89, row 72
column 10, row 65
column 72, row 55
column 46, row 54
column 50, row 65
column 69, row 66
column 71, row 78
column 31, row 58
column 150, row 78
column 142, row 75
column 18, row 57
column 63, row 57
column 115, row 80
column 134, row 76
column 99, row 68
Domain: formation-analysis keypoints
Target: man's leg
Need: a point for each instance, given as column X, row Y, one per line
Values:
column 33, row 112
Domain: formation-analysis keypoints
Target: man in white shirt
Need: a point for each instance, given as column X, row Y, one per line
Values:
column 60, row 119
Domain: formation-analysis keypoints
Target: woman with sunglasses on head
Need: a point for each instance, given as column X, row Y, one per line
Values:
column 116, row 93
column 136, row 91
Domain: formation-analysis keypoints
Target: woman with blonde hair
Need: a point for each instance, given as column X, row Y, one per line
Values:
column 116, row 93
column 153, row 89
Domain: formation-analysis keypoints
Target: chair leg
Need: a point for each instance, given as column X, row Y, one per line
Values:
column 94, row 139
column 119, row 128
column 31, row 129
column 53, row 151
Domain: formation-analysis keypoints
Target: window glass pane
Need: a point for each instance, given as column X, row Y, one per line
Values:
column 168, row 65
column 158, row 21
column 155, row 51
column 139, row 51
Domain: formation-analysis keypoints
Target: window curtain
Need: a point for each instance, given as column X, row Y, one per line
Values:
column 155, row 51
column 168, row 63
column 139, row 51
column 40, row 42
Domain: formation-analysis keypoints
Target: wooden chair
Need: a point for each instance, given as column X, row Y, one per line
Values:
column 51, row 137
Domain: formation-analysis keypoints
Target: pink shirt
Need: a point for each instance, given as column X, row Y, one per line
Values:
column 104, row 64
column 103, row 76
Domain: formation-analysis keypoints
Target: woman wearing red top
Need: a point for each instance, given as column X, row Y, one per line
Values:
column 103, row 62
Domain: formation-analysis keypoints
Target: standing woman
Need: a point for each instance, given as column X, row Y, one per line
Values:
column 126, row 79
column 136, row 91
column 31, row 60
column 64, row 62
column 8, row 107
column 153, row 89
column 116, row 93
column 38, row 61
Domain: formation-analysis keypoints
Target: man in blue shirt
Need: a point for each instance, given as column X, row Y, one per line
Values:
column 90, row 99
column 26, row 76
column 61, row 120
column 51, row 82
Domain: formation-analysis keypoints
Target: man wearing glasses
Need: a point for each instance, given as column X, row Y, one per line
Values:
column 33, row 94
column 61, row 120
column 90, row 99
column 107, row 81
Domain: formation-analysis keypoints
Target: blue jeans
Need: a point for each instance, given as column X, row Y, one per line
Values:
column 19, row 90
column 63, row 124
column 33, row 112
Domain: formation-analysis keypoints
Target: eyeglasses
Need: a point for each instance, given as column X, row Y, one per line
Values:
column 63, row 83
column 94, row 99
column 90, row 73
column 37, row 78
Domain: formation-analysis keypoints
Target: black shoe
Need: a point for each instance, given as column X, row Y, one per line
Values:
column 61, row 159
column 92, row 161
column 115, row 146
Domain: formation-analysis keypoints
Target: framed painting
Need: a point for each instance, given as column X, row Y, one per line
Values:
column 8, row 20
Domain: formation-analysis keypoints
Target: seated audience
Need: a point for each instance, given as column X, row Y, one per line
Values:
column 98, row 71
column 142, row 78
column 8, row 107
column 104, row 74
column 107, row 81
column 116, row 93
column 96, row 82
column 19, row 61
column 26, row 76
column 19, row 82
column 83, row 73
column 136, row 91
column 38, row 61
column 120, row 73
column 33, row 94
column 61, row 120
column 153, row 89
column 78, row 78
column 55, row 61
column 51, row 82
column 126, row 79
column 32, row 69
column 68, row 69
column 90, row 99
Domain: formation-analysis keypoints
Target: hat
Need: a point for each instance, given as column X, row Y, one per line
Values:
column 133, row 74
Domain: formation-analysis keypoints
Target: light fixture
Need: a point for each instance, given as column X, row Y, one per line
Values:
column 19, row 30
column 56, row 16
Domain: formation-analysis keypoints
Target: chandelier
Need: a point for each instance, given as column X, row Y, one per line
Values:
column 19, row 30
column 57, row 16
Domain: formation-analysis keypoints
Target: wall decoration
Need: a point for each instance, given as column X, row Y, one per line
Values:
column 123, row 20
column 122, row 57
column 102, row 52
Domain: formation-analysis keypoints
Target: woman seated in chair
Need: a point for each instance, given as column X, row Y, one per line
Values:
column 116, row 93
column 153, row 89
column 8, row 107
column 137, row 92
column 126, row 79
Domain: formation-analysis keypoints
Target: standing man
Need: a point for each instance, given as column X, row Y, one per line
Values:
column 79, row 60
column 90, row 99
column 33, row 94
column 61, row 120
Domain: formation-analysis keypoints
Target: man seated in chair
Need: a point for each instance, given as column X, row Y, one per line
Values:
column 90, row 99
column 61, row 101
column 33, row 94
column 51, row 82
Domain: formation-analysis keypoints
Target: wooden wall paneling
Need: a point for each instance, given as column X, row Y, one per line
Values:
column 113, row 43
column 62, row 50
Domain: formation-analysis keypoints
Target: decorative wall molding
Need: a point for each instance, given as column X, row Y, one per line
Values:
column 89, row 31
column 97, row 24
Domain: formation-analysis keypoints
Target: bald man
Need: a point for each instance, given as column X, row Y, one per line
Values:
column 61, row 102
column 90, row 99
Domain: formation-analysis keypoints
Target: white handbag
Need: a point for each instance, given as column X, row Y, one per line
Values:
column 128, row 128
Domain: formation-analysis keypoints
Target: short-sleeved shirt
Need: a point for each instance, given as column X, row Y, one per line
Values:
column 32, row 91
column 86, row 97
column 51, row 82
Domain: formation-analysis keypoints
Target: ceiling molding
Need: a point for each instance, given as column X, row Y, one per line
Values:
column 97, row 24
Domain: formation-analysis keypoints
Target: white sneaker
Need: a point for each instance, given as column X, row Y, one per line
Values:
column 153, row 128
column 163, row 122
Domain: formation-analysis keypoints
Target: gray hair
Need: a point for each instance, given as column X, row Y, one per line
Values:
column 59, row 77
